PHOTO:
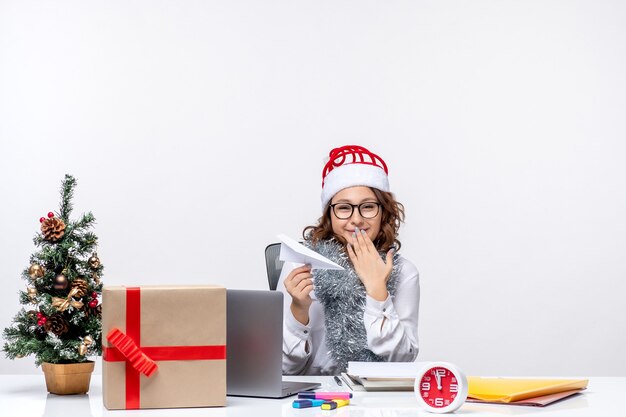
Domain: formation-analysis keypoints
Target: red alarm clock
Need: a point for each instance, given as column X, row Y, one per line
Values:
column 440, row 387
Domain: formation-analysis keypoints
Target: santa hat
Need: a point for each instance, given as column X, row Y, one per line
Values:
column 351, row 166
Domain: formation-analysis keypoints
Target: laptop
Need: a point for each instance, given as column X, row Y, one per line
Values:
column 254, row 346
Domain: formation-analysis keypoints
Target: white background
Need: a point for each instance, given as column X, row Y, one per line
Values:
column 198, row 129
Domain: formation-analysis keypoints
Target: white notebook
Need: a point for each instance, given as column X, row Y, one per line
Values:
column 384, row 369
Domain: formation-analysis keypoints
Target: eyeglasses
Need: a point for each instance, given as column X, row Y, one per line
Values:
column 367, row 210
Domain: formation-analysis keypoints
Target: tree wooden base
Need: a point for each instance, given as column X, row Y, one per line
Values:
column 71, row 378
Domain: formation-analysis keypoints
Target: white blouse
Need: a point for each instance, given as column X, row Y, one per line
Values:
column 390, row 325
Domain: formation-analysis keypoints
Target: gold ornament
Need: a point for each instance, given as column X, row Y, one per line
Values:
column 87, row 340
column 61, row 304
column 52, row 229
column 96, row 278
column 36, row 271
column 94, row 261
column 19, row 356
column 60, row 282
column 82, row 350
column 32, row 294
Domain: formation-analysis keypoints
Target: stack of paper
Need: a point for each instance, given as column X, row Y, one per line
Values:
column 385, row 369
column 522, row 391
column 378, row 384
column 381, row 376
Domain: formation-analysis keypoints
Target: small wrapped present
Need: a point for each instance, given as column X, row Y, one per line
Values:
column 164, row 346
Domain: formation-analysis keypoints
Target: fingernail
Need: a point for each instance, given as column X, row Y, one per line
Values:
column 363, row 231
column 353, row 234
column 356, row 229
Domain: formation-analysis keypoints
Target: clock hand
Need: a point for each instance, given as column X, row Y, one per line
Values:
column 438, row 378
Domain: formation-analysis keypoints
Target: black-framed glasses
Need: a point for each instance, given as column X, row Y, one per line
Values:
column 367, row 210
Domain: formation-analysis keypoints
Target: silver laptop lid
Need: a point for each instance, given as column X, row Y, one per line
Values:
column 254, row 338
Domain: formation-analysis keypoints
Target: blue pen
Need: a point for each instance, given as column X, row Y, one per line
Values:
column 307, row 403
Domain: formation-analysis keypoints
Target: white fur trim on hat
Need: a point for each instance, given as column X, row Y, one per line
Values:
column 352, row 175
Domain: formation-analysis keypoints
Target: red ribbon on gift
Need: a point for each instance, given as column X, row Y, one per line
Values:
column 127, row 347
column 141, row 359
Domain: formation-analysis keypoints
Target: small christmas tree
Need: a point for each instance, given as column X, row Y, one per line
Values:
column 63, row 322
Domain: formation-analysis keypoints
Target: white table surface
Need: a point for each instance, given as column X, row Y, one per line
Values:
column 25, row 396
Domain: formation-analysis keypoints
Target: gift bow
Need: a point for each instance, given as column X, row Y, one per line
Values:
column 134, row 355
column 62, row 304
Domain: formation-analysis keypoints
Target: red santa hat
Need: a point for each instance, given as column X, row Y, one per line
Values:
column 351, row 166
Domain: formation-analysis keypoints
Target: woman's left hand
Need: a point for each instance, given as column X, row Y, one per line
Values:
column 368, row 265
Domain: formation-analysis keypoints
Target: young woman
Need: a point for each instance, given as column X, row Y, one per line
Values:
column 369, row 310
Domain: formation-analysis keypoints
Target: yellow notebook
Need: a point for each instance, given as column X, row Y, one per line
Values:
column 507, row 390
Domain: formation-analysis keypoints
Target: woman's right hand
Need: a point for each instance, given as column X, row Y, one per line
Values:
column 299, row 284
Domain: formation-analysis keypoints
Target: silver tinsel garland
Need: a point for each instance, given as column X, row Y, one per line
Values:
column 342, row 295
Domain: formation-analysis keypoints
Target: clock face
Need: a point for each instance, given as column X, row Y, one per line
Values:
column 438, row 387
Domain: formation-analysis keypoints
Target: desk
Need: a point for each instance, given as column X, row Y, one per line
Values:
column 26, row 396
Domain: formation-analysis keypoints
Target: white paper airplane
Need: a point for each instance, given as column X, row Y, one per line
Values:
column 292, row 251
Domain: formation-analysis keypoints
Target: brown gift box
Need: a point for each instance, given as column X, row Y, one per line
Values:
column 169, row 317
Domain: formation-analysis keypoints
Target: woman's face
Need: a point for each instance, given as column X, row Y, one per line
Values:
column 355, row 196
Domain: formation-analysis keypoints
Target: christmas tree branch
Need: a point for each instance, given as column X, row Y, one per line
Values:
column 85, row 222
column 67, row 193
